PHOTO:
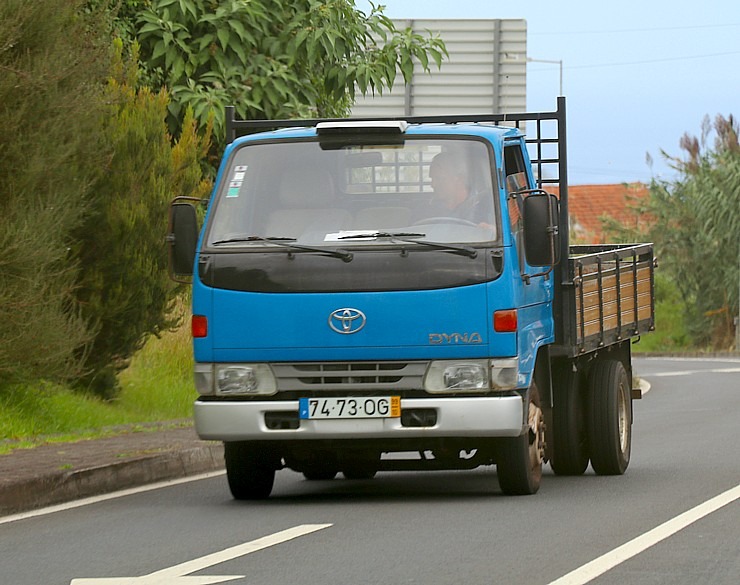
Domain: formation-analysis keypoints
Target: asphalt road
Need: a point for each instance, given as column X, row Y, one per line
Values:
column 434, row 528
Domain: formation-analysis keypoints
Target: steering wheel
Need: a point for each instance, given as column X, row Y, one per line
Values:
column 439, row 220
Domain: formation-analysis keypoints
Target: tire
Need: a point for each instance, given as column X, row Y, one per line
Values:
column 609, row 418
column 249, row 471
column 569, row 436
column 361, row 466
column 519, row 464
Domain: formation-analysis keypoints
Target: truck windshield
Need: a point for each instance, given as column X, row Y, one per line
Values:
column 438, row 189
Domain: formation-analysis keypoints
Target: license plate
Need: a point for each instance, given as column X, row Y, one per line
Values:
column 332, row 408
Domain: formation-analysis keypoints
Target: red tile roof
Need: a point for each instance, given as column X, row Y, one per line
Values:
column 587, row 204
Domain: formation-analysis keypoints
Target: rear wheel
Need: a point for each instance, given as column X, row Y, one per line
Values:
column 519, row 464
column 569, row 438
column 249, row 470
column 609, row 417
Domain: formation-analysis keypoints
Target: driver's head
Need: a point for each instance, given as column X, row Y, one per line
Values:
column 449, row 178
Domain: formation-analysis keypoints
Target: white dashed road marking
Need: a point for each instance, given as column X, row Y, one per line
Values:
column 179, row 573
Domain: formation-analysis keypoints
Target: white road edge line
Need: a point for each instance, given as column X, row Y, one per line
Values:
column 608, row 561
column 105, row 497
column 692, row 372
column 729, row 358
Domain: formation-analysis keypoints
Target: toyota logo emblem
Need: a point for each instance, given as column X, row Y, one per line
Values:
column 347, row 320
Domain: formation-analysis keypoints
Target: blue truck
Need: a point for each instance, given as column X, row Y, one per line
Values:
column 401, row 294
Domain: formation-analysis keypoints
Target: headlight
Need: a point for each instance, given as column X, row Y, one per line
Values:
column 235, row 379
column 457, row 376
column 472, row 375
column 251, row 379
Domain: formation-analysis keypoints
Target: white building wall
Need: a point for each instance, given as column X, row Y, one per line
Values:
column 486, row 72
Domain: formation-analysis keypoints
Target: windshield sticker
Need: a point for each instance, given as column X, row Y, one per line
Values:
column 234, row 187
column 237, row 180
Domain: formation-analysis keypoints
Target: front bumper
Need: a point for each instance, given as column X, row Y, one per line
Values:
column 502, row 416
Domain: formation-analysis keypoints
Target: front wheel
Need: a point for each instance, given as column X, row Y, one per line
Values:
column 249, row 470
column 609, row 418
column 519, row 464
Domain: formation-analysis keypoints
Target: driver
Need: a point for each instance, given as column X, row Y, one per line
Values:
column 452, row 193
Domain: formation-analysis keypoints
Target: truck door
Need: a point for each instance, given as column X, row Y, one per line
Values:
column 535, row 289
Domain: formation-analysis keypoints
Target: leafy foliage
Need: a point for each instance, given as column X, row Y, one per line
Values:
column 696, row 229
column 51, row 151
column 123, row 287
column 119, row 16
column 273, row 58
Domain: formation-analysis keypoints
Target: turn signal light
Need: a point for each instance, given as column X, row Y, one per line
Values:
column 505, row 321
column 199, row 326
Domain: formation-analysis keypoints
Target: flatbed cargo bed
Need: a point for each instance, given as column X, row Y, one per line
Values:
column 610, row 293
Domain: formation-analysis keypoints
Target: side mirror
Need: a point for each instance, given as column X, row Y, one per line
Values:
column 541, row 229
column 182, row 238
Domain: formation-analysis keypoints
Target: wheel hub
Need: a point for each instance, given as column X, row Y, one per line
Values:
column 536, row 435
column 623, row 418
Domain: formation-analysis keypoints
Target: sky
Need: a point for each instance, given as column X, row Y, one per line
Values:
column 637, row 75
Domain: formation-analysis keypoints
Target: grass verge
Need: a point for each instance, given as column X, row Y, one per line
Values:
column 670, row 333
column 157, row 386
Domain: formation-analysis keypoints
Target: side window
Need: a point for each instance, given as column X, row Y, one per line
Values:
column 517, row 180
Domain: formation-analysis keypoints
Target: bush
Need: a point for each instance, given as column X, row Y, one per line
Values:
column 694, row 222
column 124, row 289
column 697, row 230
column 51, row 151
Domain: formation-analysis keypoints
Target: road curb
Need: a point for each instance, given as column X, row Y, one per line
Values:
column 65, row 486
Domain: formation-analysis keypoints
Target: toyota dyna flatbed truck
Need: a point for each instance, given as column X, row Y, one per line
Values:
column 342, row 323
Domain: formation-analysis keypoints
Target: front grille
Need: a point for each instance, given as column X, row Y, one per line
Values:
column 350, row 376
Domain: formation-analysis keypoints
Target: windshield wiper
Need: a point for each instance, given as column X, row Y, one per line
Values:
column 253, row 239
column 363, row 235
column 284, row 243
column 410, row 237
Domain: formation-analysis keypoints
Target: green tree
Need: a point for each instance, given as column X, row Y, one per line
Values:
column 696, row 229
column 119, row 16
column 274, row 58
column 51, row 152
column 123, row 287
